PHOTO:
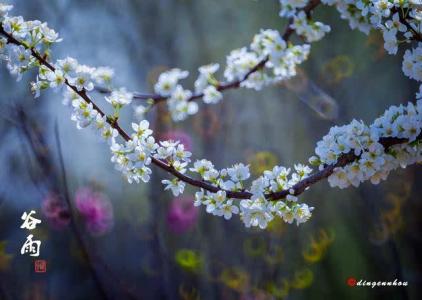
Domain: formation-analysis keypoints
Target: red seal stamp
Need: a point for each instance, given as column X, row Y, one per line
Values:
column 40, row 266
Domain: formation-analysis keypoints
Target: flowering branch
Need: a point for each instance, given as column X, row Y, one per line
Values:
column 327, row 171
column 347, row 155
column 213, row 93
column 113, row 123
column 298, row 188
column 223, row 86
column 82, row 93
column 156, row 98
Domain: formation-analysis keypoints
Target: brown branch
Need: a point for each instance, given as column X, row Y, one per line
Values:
column 342, row 161
column 404, row 19
column 163, row 165
column 298, row 188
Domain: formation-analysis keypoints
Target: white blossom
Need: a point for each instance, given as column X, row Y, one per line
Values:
column 103, row 75
column 175, row 185
column 167, row 81
column 205, row 76
column 212, row 95
column 119, row 98
column 82, row 79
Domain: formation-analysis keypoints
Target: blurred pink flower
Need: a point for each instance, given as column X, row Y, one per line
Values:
column 55, row 211
column 95, row 209
column 178, row 135
column 182, row 214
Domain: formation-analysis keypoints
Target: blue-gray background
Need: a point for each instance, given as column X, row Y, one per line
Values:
column 374, row 230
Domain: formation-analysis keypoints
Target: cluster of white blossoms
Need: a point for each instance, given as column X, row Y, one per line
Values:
column 311, row 30
column 412, row 63
column 29, row 48
column 178, row 101
column 133, row 157
column 174, row 153
column 373, row 162
column 283, row 58
column 258, row 210
column 119, row 98
column 230, row 179
column 216, row 204
column 279, row 61
column 398, row 20
column 304, row 26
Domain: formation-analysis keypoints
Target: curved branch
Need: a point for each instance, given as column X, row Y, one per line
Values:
column 298, row 188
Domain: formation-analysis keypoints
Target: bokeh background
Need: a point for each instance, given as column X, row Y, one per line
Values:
column 105, row 239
